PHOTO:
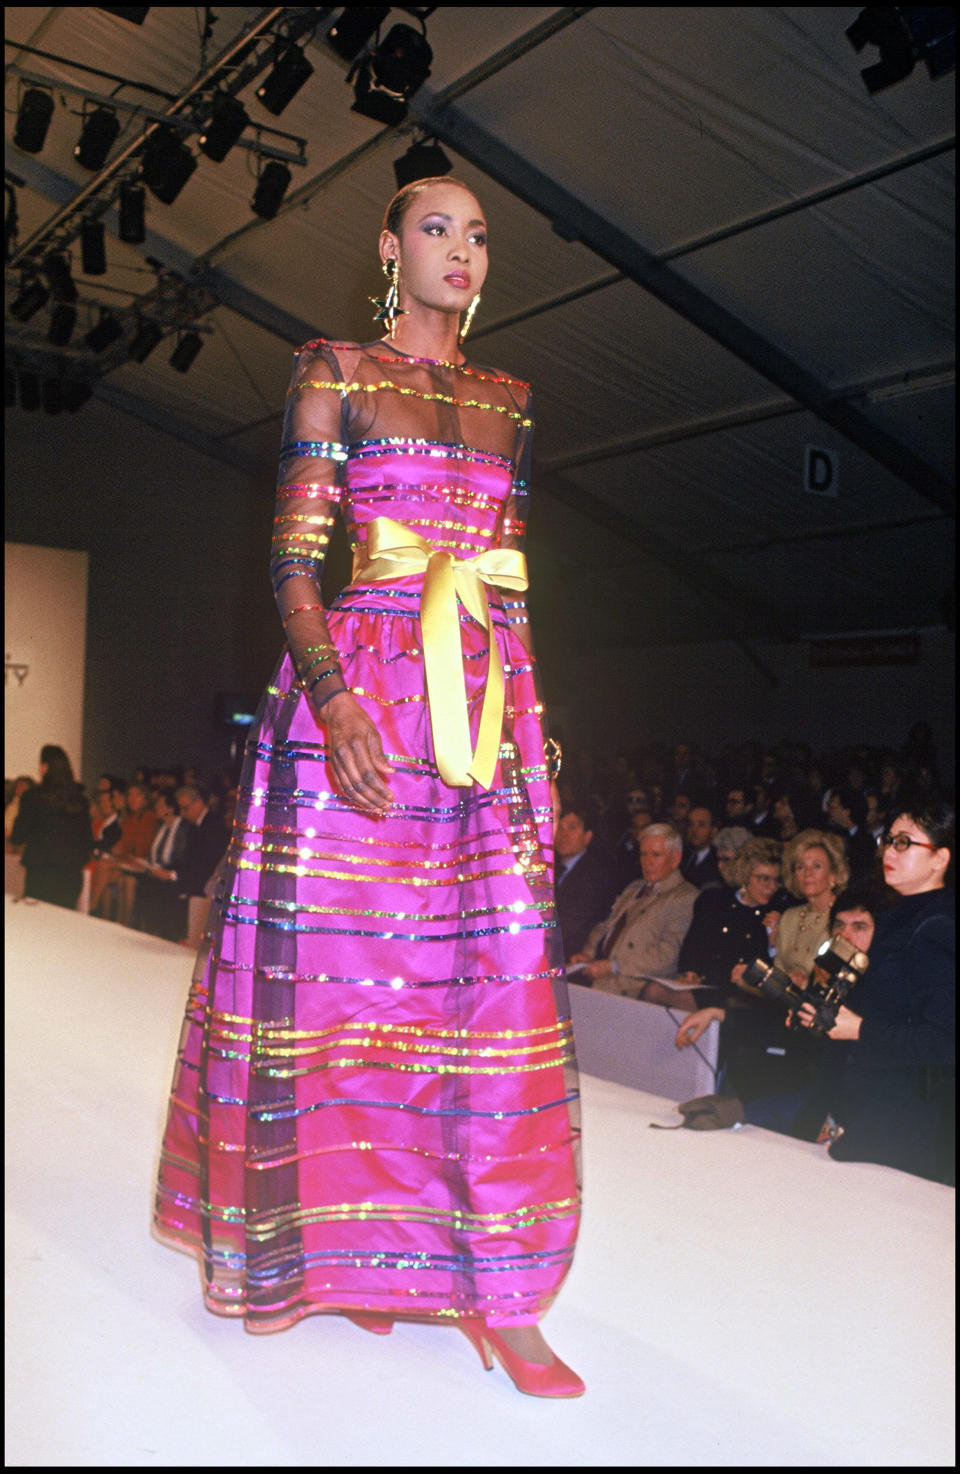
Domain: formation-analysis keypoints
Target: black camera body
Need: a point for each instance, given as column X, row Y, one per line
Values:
column 838, row 967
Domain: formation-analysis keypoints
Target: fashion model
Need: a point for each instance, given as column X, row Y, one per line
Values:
column 374, row 1109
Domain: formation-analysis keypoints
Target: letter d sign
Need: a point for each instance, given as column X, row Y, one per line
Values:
column 821, row 471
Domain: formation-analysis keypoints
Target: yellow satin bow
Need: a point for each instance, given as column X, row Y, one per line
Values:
column 393, row 551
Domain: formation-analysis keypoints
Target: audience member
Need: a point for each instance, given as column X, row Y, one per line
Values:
column 728, row 844
column 138, row 828
column 763, row 824
column 680, row 807
column 847, row 812
column 12, row 808
column 897, row 1101
column 583, row 886
column 731, row 928
column 53, row 826
column 699, row 863
column 815, row 869
column 206, row 842
column 625, row 860
column 158, row 908
column 737, row 806
column 649, row 920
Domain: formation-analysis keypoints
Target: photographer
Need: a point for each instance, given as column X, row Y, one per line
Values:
column 895, row 1100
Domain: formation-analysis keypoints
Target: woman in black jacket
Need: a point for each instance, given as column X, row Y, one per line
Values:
column 53, row 826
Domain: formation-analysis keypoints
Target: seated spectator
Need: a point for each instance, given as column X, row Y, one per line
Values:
column 847, row 812
column 815, row 870
column 583, row 886
column 738, row 807
column 138, row 828
column 206, row 842
column 728, row 844
column 648, row 922
column 897, row 1101
column 680, row 807
column 699, row 863
column 731, row 928
column 53, row 826
column 763, row 824
column 625, row 860
column 158, row 908
column 12, row 809
column 105, row 885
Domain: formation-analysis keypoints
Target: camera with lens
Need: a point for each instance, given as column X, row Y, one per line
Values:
column 838, row 966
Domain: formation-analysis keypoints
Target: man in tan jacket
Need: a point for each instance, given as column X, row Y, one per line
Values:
column 649, row 920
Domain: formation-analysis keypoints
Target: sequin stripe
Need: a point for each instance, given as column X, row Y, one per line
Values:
column 289, row 1113
column 514, row 928
column 307, row 872
column 366, row 1036
column 266, row 1225
column 261, row 1162
column 332, row 450
column 328, row 803
column 284, row 976
column 280, row 1072
column 222, row 1040
column 408, row 393
column 403, row 359
column 373, row 841
column 450, row 450
column 442, row 491
column 308, row 491
column 304, row 852
column 312, row 909
column 282, row 1028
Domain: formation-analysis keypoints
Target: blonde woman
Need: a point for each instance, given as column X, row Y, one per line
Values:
column 815, row 870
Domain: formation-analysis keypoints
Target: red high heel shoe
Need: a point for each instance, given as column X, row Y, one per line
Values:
column 369, row 1320
column 555, row 1380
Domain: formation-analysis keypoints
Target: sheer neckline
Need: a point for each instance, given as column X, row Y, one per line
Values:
column 417, row 357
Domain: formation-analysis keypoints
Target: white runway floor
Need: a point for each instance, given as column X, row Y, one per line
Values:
column 737, row 1297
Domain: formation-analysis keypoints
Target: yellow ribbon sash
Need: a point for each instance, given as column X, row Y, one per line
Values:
column 393, row 551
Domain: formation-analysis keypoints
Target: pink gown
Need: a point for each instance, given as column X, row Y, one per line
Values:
column 374, row 1104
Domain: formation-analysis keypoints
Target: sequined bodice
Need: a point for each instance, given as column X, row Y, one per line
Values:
column 454, row 496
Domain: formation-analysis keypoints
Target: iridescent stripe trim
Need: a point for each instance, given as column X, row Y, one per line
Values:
column 399, row 359
column 331, row 450
column 450, row 450
column 345, row 931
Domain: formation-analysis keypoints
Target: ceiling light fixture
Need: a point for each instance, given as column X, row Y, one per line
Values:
column 421, row 161
column 132, row 211
column 357, row 23
column 33, row 120
column 388, row 75
column 97, row 137
column 93, row 254
column 106, row 331
column 271, row 188
column 167, row 164
column 188, row 346
column 33, row 296
column 290, row 72
column 227, row 120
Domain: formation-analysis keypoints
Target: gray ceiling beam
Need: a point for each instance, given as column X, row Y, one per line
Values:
column 578, row 221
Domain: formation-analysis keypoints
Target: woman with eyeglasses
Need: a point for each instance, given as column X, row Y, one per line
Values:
column 897, row 1104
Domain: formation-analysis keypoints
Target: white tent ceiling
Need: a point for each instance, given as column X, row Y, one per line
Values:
column 710, row 248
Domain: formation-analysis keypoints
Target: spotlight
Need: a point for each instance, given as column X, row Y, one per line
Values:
column 92, row 252
column 135, row 14
column 33, row 296
column 228, row 118
column 933, row 31
column 905, row 34
column 33, row 120
column 57, row 271
column 75, row 394
column 29, row 385
column 185, row 352
column 132, row 207
column 107, row 331
column 290, row 72
column 390, row 75
column 271, row 188
column 63, row 320
column 97, row 137
column 353, row 30
column 167, row 164
column 51, row 392
column 145, row 339
column 421, row 161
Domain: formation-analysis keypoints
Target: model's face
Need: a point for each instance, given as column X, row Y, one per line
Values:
column 918, row 868
column 441, row 248
column 699, row 827
column 856, row 927
column 571, row 837
column 814, row 876
column 762, row 884
column 656, row 860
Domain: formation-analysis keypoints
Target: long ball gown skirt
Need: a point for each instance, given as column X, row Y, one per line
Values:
column 374, row 1104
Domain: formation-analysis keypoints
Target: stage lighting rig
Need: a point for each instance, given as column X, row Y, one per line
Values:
column 33, row 296
column 56, row 269
column 135, row 14
column 145, row 339
column 63, row 320
column 354, row 27
column 388, row 75
column 167, row 163
column 227, row 120
column 97, row 136
column 106, row 331
column 188, row 346
column 33, row 120
column 132, row 207
column 271, row 187
column 93, row 254
column 423, row 160
column 904, row 35
column 290, row 71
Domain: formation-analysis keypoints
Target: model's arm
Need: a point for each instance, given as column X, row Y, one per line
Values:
column 311, row 480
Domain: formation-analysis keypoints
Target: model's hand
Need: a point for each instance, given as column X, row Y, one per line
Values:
column 696, row 1024
column 356, row 754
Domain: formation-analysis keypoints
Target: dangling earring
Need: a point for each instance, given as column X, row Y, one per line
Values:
column 468, row 318
column 388, row 308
